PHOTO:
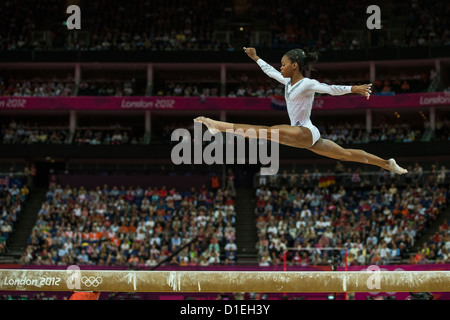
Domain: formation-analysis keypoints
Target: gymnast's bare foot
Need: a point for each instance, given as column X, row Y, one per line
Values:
column 212, row 125
column 394, row 167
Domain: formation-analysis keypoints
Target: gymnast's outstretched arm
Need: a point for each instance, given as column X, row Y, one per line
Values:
column 267, row 68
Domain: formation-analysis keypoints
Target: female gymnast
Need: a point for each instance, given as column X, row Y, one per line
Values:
column 299, row 95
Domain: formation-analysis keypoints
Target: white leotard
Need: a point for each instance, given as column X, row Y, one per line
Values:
column 300, row 97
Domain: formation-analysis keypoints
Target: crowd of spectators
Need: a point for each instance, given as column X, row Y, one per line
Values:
column 399, row 85
column 442, row 132
column 324, row 25
column 375, row 225
column 426, row 23
column 386, row 87
column 107, row 136
column 402, row 81
column 21, row 18
column 133, row 227
column 437, row 248
column 26, row 133
column 66, row 87
column 116, row 25
column 154, row 25
column 240, row 84
column 59, row 87
column 258, row 90
column 383, row 131
column 102, row 87
column 355, row 133
column 395, row 133
column 308, row 25
column 184, row 89
column 354, row 177
column 13, row 194
column 262, row 86
column 343, row 133
column 38, row 87
column 191, row 25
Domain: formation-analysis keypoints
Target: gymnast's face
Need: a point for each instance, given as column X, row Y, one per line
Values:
column 287, row 67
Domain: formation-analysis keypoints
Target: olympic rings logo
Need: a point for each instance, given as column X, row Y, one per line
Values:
column 92, row 281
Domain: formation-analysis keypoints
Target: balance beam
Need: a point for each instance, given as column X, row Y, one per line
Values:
column 215, row 281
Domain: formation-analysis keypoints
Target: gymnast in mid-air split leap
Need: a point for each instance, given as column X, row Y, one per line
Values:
column 299, row 95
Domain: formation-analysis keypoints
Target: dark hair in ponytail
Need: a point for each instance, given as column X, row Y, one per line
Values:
column 304, row 60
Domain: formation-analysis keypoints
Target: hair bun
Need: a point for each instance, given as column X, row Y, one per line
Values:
column 305, row 60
